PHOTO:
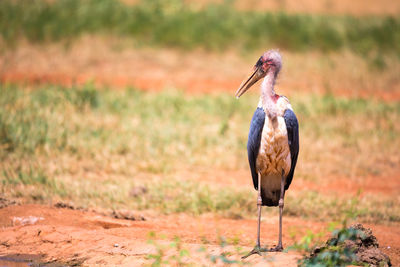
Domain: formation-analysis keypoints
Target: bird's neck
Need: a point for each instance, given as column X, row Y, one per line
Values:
column 268, row 96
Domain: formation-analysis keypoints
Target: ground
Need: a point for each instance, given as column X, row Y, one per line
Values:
column 119, row 63
column 68, row 235
column 89, row 237
column 65, row 234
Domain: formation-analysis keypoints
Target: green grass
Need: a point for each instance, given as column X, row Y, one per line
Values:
column 93, row 145
column 175, row 24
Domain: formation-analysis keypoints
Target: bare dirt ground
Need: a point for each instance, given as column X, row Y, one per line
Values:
column 118, row 64
column 65, row 235
column 90, row 238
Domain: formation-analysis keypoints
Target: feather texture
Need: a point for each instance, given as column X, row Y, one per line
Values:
column 292, row 126
column 273, row 146
column 253, row 142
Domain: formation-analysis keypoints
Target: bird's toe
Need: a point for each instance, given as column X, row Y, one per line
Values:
column 256, row 250
column 276, row 249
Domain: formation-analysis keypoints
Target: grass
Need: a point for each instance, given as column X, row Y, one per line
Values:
column 177, row 253
column 94, row 145
column 175, row 24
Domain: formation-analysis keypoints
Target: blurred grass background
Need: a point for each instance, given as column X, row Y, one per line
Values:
column 95, row 145
column 216, row 26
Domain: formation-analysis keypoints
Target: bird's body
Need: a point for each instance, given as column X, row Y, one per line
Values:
column 273, row 142
column 273, row 155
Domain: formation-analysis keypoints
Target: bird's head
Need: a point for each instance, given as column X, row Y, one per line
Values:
column 269, row 62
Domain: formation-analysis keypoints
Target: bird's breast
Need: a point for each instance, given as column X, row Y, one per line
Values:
column 274, row 153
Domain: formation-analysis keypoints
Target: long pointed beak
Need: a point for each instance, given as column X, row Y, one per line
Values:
column 247, row 83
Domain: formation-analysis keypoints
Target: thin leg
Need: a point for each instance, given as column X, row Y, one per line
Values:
column 257, row 249
column 279, row 247
column 259, row 202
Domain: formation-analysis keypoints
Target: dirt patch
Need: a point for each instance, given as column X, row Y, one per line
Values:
column 127, row 215
column 65, row 235
column 4, row 202
column 97, row 60
column 117, row 214
column 388, row 184
column 63, row 205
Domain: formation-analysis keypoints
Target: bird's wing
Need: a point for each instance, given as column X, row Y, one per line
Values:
column 292, row 126
column 253, row 143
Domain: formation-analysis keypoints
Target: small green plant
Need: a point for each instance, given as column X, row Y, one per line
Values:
column 335, row 253
column 224, row 256
column 178, row 254
column 158, row 257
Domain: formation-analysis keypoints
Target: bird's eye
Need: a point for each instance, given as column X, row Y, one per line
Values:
column 259, row 62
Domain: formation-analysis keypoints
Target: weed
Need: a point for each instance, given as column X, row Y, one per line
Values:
column 16, row 178
column 178, row 254
column 335, row 254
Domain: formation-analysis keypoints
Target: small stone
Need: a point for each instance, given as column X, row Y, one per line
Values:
column 116, row 245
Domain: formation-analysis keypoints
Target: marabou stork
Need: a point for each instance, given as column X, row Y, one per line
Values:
column 273, row 143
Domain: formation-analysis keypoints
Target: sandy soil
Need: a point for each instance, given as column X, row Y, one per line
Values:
column 66, row 235
column 91, row 237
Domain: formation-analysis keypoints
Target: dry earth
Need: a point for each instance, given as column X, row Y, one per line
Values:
column 91, row 238
column 65, row 235
column 118, row 63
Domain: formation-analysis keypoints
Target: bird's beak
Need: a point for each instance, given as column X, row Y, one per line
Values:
column 247, row 83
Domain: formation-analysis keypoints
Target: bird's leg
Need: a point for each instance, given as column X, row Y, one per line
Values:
column 279, row 247
column 259, row 203
column 257, row 249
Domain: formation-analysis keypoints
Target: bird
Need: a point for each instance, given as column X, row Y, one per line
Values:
column 273, row 141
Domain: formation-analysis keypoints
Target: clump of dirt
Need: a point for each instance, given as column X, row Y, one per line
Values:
column 366, row 247
column 63, row 205
column 127, row 215
column 6, row 202
column 361, row 242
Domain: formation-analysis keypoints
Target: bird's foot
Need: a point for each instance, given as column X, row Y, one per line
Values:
column 256, row 250
column 278, row 248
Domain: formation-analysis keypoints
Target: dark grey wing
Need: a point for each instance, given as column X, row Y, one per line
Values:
column 292, row 126
column 253, row 143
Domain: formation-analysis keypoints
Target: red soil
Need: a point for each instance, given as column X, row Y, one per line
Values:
column 65, row 235
column 95, row 60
